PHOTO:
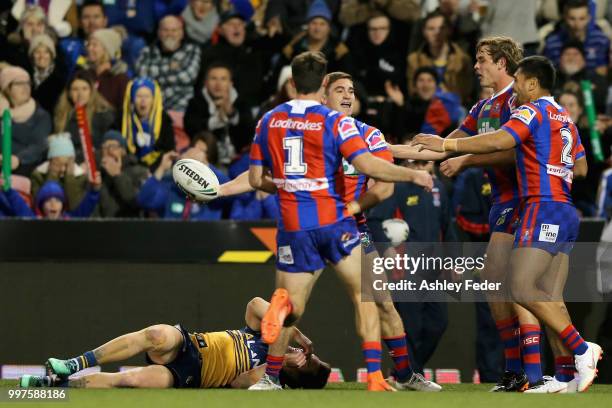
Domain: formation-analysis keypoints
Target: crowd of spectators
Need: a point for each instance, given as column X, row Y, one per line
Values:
column 163, row 79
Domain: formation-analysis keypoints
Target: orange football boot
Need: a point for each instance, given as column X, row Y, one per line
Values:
column 376, row 382
column 272, row 323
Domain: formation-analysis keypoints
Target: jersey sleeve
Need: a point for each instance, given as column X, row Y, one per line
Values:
column 256, row 156
column 523, row 123
column 579, row 147
column 470, row 123
column 350, row 142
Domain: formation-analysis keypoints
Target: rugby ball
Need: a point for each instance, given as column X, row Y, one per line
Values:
column 396, row 230
column 196, row 180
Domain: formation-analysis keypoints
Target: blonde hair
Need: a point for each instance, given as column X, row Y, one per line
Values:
column 503, row 47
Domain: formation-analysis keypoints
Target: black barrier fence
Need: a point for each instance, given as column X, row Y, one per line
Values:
column 66, row 287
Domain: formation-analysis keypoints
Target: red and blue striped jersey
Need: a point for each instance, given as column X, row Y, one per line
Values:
column 486, row 116
column 354, row 184
column 548, row 144
column 303, row 143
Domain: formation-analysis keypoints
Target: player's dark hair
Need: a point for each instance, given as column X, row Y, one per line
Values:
column 540, row 68
column 92, row 3
column 574, row 4
column 499, row 47
column 306, row 379
column 336, row 76
column 308, row 69
column 425, row 70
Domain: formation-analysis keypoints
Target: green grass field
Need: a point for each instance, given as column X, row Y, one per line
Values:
column 335, row 395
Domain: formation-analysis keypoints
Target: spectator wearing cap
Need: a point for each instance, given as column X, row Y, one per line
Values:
column 48, row 72
column 452, row 64
column 92, row 17
column 218, row 107
column 201, row 19
column 61, row 167
column 122, row 177
column 104, row 62
column 81, row 91
column 577, row 25
column 31, row 124
column 173, row 63
column 248, row 56
column 50, row 203
column 145, row 126
column 289, row 16
column 353, row 12
column 318, row 37
column 572, row 70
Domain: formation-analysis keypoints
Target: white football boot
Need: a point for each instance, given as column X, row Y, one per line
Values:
column 550, row 385
column 266, row 383
column 415, row 383
column 586, row 366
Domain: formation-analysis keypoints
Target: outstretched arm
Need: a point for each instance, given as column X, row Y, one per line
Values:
column 378, row 192
column 259, row 181
column 485, row 143
column 454, row 165
column 413, row 153
column 382, row 170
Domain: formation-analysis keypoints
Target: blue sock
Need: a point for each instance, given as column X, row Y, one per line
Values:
column 530, row 351
column 88, row 359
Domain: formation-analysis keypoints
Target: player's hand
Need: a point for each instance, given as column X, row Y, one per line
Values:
column 295, row 358
column 424, row 179
column 453, row 166
column 428, row 142
column 304, row 342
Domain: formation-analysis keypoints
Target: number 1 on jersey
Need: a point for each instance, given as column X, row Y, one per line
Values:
column 295, row 158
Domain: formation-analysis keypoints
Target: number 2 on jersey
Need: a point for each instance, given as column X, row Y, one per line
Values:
column 295, row 156
column 566, row 152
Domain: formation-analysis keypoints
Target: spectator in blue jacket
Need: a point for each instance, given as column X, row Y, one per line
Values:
column 141, row 17
column 50, row 202
column 578, row 25
column 160, row 194
column 92, row 17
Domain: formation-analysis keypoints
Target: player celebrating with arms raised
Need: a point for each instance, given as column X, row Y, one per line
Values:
column 548, row 155
column 302, row 143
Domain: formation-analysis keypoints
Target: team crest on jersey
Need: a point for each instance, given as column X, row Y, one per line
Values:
column 376, row 140
column 348, row 169
column 347, row 128
column 525, row 114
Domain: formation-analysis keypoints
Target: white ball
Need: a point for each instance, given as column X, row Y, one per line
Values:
column 196, row 180
column 396, row 230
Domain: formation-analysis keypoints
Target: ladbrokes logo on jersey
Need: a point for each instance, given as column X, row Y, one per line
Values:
column 293, row 124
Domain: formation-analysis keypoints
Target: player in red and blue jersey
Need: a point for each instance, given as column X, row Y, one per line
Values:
column 549, row 155
column 302, row 144
column 496, row 61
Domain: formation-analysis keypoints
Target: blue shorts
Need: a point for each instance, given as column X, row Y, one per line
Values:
column 307, row 251
column 187, row 365
column 548, row 225
column 503, row 217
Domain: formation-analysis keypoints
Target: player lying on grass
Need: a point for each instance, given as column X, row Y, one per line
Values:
column 549, row 154
column 361, row 193
column 179, row 359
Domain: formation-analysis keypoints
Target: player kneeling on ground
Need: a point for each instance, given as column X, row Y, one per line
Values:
column 179, row 359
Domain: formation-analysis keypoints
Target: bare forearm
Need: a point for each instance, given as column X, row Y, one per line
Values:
column 380, row 191
column 412, row 153
column 504, row 158
column 236, row 186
